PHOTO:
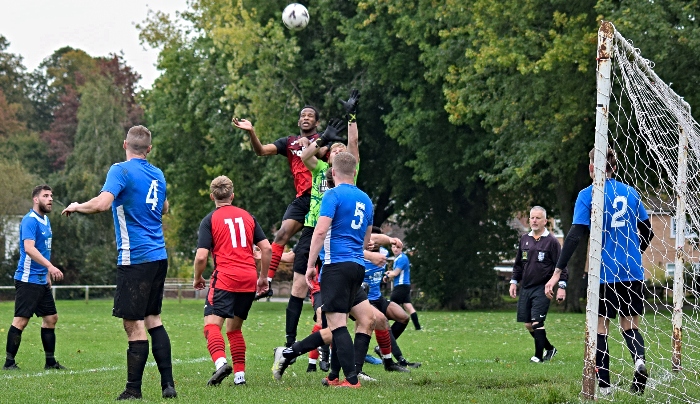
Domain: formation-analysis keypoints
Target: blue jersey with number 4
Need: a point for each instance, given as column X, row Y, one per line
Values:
column 139, row 194
column 38, row 228
column 622, row 260
column 374, row 275
column 351, row 211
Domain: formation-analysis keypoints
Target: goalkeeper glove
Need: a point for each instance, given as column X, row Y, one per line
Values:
column 350, row 106
column 329, row 135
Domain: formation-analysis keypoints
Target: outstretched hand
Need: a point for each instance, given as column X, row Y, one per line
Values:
column 334, row 127
column 351, row 105
column 242, row 124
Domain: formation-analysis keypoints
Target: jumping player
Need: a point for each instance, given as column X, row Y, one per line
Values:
column 626, row 234
column 229, row 233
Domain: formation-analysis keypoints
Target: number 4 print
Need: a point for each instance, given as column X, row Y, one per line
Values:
column 152, row 195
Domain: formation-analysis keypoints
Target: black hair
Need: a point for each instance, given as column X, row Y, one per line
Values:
column 37, row 189
column 318, row 114
column 377, row 230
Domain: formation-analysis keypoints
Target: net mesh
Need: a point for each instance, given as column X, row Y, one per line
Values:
column 645, row 122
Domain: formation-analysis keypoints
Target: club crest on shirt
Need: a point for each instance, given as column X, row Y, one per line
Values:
column 540, row 256
column 524, row 257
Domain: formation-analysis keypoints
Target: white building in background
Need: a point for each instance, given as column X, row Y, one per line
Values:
column 10, row 235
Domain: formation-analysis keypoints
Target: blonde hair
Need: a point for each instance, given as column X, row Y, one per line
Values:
column 221, row 188
column 344, row 164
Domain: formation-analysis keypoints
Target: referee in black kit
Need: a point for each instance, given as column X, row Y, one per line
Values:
column 538, row 253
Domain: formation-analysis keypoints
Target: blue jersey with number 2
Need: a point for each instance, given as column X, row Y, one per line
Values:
column 622, row 260
column 139, row 194
column 351, row 211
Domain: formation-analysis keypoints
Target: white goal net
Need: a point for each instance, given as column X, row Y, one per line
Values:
column 657, row 143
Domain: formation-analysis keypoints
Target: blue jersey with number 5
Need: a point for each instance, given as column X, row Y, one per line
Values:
column 622, row 260
column 351, row 211
column 139, row 194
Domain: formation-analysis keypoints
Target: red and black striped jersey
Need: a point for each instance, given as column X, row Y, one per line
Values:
column 290, row 147
column 229, row 233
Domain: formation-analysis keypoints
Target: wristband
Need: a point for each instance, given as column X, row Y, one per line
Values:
column 320, row 142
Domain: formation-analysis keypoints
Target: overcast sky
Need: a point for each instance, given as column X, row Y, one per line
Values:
column 36, row 28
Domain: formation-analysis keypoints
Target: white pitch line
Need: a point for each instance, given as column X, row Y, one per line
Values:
column 95, row 370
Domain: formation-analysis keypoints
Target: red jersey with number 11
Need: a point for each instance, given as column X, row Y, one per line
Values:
column 229, row 233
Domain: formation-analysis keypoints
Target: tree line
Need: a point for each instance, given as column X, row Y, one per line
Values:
column 472, row 111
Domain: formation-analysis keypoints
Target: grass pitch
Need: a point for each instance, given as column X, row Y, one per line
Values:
column 467, row 357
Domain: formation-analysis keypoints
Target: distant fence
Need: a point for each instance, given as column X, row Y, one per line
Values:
column 174, row 288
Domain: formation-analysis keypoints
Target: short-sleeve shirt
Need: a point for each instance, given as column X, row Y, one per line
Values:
column 351, row 211
column 38, row 228
column 373, row 276
column 536, row 259
column 401, row 262
column 139, row 194
column 230, row 232
column 318, row 188
column 289, row 146
column 621, row 257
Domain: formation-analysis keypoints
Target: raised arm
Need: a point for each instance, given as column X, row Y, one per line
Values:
column 260, row 149
column 353, row 140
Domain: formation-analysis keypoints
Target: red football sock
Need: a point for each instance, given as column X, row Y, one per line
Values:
column 277, row 251
column 384, row 341
column 237, row 343
column 313, row 354
column 215, row 342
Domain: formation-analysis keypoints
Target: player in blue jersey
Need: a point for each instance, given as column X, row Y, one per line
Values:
column 401, row 273
column 135, row 190
column 392, row 311
column 626, row 234
column 33, row 280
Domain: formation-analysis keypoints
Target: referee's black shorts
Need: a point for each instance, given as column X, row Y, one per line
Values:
column 533, row 305
column 32, row 298
column 140, row 290
column 625, row 298
column 339, row 284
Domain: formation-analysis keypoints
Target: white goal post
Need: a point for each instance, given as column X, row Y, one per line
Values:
column 657, row 143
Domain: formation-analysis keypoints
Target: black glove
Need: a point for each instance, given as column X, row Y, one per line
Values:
column 265, row 294
column 350, row 106
column 329, row 135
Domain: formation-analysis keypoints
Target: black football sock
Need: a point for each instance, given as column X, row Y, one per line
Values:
column 294, row 307
column 335, row 365
column 635, row 343
column 342, row 343
column 361, row 346
column 14, row 338
column 48, row 340
column 414, row 318
column 545, row 341
column 602, row 361
column 395, row 350
column 398, row 328
column 136, row 357
column 160, row 347
column 540, row 337
column 308, row 344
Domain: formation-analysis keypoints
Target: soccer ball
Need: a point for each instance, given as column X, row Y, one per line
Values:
column 295, row 17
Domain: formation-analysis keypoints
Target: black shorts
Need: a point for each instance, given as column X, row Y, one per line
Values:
column 533, row 305
column 339, row 284
column 298, row 209
column 140, row 290
column 301, row 251
column 401, row 294
column 317, row 301
column 32, row 298
column 626, row 298
column 227, row 304
column 360, row 296
column 381, row 304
